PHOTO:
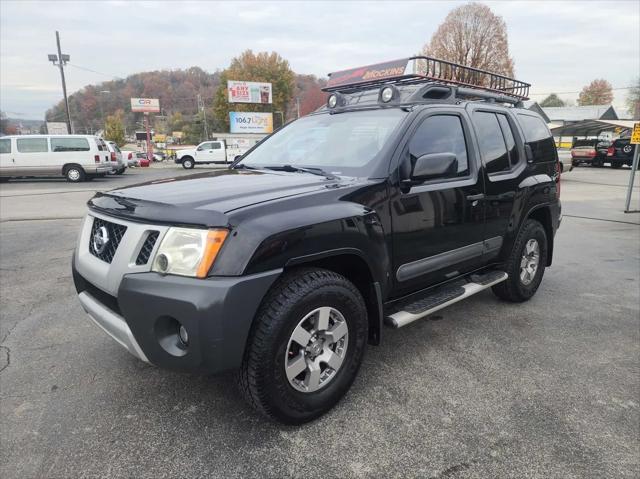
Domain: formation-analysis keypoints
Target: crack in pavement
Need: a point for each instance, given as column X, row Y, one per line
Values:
column 8, row 362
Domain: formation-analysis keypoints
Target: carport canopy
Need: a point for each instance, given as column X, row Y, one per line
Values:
column 590, row 127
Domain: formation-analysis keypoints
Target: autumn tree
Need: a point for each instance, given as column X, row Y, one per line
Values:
column 474, row 36
column 633, row 101
column 598, row 92
column 259, row 67
column 551, row 101
column 114, row 128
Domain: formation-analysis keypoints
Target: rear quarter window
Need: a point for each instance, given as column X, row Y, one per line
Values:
column 69, row 144
column 539, row 138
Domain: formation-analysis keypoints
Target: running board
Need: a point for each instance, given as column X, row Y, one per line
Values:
column 444, row 297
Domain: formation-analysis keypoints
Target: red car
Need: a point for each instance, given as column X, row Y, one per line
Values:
column 591, row 152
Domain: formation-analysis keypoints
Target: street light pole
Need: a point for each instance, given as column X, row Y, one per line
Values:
column 61, row 62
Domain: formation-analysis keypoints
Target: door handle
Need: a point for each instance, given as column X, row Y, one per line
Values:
column 475, row 197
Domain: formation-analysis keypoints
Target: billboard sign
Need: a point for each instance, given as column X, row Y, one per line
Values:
column 57, row 128
column 146, row 105
column 249, row 92
column 245, row 122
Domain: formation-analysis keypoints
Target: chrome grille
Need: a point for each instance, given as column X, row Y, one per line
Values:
column 114, row 234
column 147, row 248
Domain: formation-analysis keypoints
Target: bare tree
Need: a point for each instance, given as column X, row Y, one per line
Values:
column 598, row 92
column 474, row 36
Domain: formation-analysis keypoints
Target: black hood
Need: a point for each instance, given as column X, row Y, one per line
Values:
column 206, row 198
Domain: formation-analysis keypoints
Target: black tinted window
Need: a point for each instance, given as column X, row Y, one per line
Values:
column 32, row 145
column 69, row 144
column 509, row 139
column 534, row 128
column 5, row 145
column 494, row 152
column 441, row 134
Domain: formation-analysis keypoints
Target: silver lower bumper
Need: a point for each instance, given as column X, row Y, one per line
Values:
column 113, row 324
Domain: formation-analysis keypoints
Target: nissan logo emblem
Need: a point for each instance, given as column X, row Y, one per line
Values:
column 100, row 239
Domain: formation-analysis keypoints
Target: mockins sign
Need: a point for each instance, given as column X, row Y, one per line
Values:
column 244, row 122
column 249, row 92
column 379, row 71
column 147, row 105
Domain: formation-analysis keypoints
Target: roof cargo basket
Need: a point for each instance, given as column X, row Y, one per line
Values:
column 420, row 69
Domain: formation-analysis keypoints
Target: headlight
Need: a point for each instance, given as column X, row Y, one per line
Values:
column 188, row 252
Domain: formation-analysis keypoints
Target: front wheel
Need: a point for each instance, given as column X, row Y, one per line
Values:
column 525, row 265
column 305, row 346
column 188, row 163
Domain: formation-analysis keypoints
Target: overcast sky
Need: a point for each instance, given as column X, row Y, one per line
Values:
column 557, row 46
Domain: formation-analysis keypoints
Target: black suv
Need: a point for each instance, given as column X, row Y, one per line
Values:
column 402, row 196
column 621, row 153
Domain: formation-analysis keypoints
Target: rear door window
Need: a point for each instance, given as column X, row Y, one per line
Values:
column 32, row 145
column 69, row 144
column 5, row 145
column 216, row 146
column 492, row 144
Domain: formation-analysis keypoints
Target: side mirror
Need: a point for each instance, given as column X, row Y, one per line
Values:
column 435, row 165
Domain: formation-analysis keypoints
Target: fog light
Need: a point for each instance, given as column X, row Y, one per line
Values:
column 333, row 101
column 162, row 262
column 184, row 336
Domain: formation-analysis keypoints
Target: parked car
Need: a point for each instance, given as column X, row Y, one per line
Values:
column 130, row 158
column 205, row 153
column 74, row 157
column 117, row 161
column 621, row 152
column 159, row 156
column 406, row 199
column 215, row 151
column 142, row 159
column 589, row 152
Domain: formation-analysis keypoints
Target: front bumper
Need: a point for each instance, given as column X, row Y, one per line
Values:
column 217, row 313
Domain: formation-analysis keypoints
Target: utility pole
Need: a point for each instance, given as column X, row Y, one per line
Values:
column 62, row 61
column 298, row 106
column 204, row 115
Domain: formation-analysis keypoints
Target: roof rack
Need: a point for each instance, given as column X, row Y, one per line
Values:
column 426, row 69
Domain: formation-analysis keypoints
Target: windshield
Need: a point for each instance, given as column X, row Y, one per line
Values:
column 342, row 143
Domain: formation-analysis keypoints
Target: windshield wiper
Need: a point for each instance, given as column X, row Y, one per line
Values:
column 305, row 169
column 242, row 166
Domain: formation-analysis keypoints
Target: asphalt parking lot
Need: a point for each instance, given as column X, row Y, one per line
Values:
column 549, row 388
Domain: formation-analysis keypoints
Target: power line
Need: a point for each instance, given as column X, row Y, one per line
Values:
column 92, row 71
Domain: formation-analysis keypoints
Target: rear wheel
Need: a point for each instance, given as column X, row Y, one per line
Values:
column 525, row 265
column 74, row 174
column 188, row 163
column 305, row 347
column 120, row 171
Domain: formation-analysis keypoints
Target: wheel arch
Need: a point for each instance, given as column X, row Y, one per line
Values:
column 66, row 167
column 353, row 265
column 542, row 214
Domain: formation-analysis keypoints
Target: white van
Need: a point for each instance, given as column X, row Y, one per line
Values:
column 116, row 156
column 76, row 157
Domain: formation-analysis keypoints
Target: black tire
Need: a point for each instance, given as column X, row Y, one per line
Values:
column 262, row 378
column 514, row 289
column 188, row 163
column 4, row 179
column 120, row 171
column 574, row 163
column 74, row 174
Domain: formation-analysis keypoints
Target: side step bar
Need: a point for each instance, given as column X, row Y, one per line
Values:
column 443, row 298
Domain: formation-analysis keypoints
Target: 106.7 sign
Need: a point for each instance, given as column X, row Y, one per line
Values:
column 244, row 122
